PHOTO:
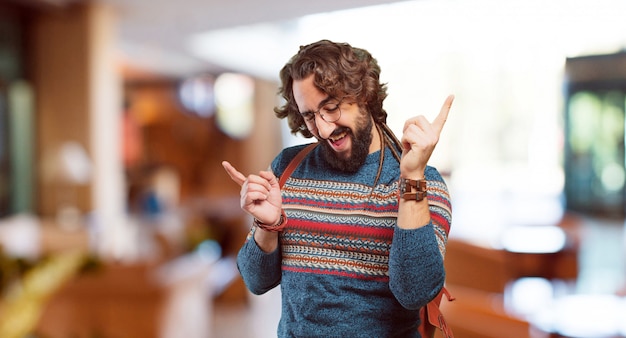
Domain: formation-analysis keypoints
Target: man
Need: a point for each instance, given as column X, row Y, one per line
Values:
column 356, row 236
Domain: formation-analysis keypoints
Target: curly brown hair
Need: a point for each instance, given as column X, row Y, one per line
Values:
column 340, row 70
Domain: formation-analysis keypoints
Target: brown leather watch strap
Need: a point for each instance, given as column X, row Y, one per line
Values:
column 412, row 189
column 282, row 223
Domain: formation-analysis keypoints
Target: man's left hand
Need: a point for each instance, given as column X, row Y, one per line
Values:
column 419, row 138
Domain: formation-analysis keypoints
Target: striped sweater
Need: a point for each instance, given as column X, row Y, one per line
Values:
column 345, row 269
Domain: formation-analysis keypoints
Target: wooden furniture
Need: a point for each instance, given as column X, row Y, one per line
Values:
column 134, row 300
column 114, row 301
column 476, row 266
column 481, row 314
column 477, row 276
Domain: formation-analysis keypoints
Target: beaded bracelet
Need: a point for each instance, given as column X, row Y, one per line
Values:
column 282, row 223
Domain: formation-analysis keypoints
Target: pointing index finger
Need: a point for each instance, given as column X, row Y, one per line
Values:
column 440, row 120
column 235, row 175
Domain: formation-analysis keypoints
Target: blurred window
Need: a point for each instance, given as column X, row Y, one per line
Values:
column 595, row 169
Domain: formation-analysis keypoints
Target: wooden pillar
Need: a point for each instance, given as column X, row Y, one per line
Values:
column 78, row 100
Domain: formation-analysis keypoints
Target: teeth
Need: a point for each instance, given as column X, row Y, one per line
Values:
column 338, row 137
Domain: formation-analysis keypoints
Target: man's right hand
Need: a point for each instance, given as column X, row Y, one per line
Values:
column 260, row 194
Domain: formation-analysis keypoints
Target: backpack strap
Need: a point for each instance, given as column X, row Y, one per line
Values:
column 435, row 317
column 295, row 162
column 432, row 318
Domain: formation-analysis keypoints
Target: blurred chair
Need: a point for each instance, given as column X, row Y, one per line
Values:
column 476, row 266
column 477, row 313
column 478, row 277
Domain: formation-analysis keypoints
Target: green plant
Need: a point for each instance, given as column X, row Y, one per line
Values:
column 25, row 292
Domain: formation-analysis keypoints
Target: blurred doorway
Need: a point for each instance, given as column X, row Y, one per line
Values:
column 595, row 172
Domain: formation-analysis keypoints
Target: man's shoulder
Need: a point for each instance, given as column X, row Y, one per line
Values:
column 432, row 174
column 285, row 156
column 293, row 150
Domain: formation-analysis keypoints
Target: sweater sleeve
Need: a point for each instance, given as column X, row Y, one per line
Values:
column 260, row 271
column 416, row 270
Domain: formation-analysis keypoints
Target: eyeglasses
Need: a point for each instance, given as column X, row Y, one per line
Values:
column 330, row 112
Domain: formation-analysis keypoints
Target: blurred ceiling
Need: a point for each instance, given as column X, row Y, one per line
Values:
column 154, row 34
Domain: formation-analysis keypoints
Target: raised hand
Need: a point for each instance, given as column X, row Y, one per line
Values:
column 419, row 138
column 260, row 194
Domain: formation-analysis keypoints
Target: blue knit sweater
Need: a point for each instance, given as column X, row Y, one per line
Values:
column 344, row 267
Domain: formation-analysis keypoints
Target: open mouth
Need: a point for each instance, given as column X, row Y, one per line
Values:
column 338, row 139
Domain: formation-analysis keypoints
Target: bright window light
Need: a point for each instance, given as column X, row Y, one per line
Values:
column 234, row 97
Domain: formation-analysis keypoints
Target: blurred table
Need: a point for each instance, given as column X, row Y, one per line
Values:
column 540, row 251
column 147, row 300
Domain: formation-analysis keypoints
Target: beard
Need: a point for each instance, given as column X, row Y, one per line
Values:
column 361, row 140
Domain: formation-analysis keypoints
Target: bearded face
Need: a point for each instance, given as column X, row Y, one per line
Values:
column 361, row 139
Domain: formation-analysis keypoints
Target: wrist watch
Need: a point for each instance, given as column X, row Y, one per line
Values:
column 414, row 190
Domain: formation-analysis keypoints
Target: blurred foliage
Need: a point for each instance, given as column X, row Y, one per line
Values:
column 26, row 287
column 11, row 269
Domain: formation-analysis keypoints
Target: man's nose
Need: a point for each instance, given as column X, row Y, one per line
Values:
column 324, row 129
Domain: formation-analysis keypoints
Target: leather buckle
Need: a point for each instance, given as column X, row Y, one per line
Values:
column 407, row 191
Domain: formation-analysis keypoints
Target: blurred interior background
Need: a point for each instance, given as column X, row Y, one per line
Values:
column 117, row 219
